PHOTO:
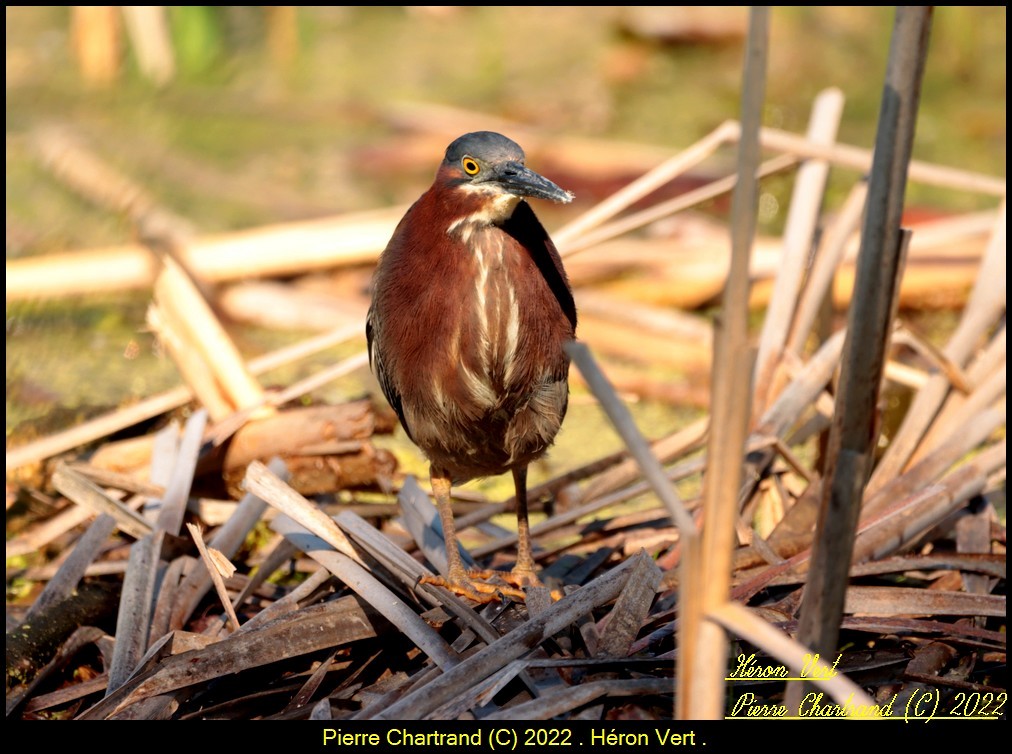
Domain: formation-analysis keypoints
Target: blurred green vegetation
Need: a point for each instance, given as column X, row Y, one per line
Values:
column 236, row 106
column 264, row 110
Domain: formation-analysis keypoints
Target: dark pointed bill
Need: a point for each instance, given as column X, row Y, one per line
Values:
column 522, row 181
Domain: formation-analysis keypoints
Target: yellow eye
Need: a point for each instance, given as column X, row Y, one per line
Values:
column 470, row 166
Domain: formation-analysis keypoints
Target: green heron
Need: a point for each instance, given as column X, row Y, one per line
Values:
column 470, row 311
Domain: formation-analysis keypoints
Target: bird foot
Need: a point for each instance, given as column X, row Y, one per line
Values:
column 484, row 586
column 522, row 577
column 474, row 586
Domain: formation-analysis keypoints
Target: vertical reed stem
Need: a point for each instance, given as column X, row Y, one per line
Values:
column 703, row 645
column 879, row 266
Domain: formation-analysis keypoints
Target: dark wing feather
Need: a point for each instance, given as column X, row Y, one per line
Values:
column 376, row 363
column 525, row 227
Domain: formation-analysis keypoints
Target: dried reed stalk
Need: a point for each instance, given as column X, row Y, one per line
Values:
column 569, row 698
column 227, row 540
column 278, row 305
column 799, row 235
column 371, row 589
column 880, row 263
column 642, row 186
column 307, row 630
column 167, row 593
column 861, row 159
column 409, row 571
column 661, row 210
column 202, row 331
column 119, row 419
column 72, row 570
column 424, row 700
column 703, row 645
column 985, row 307
column 172, row 506
column 96, row 36
column 275, row 250
column 828, row 255
column 903, row 522
column 987, row 385
column 77, row 488
column 207, row 557
column 357, row 239
column 147, row 27
column 634, row 441
column 136, row 601
column 263, row 483
column 192, row 367
column 644, row 347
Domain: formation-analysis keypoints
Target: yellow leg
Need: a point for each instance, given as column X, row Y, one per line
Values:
column 441, row 489
column 524, row 570
column 470, row 584
column 458, row 578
